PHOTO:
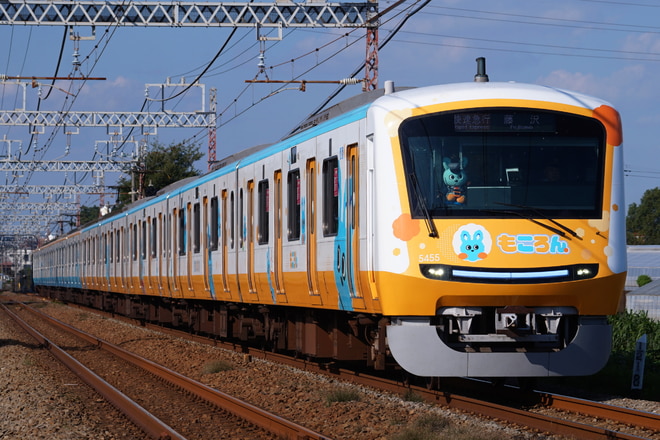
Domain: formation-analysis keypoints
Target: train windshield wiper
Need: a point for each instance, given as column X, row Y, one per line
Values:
column 527, row 217
column 433, row 232
column 542, row 215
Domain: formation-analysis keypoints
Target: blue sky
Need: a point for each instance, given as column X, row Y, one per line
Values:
column 609, row 49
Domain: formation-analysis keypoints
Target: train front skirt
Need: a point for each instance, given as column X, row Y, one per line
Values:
column 417, row 347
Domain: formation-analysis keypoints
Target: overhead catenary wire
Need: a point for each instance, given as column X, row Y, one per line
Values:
column 410, row 36
column 67, row 104
column 547, row 21
column 297, row 77
column 357, row 70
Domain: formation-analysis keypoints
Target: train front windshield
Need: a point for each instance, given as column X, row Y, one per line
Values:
column 504, row 161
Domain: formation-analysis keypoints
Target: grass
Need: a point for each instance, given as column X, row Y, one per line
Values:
column 412, row 396
column 216, row 367
column 342, row 395
column 616, row 377
column 432, row 427
column 28, row 361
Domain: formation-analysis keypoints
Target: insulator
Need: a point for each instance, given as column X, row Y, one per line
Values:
column 76, row 62
column 349, row 81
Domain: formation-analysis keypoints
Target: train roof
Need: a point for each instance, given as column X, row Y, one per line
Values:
column 468, row 91
column 345, row 112
column 340, row 108
column 356, row 107
column 313, row 120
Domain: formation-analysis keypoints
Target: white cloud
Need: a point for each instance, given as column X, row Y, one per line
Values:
column 631, row 81
column 577, row 81
column 642, row 44
column 111, row 95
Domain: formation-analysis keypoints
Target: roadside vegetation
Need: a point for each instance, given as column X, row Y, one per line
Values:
column 616, row 377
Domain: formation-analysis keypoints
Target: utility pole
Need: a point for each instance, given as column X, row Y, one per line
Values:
column 212, row 130
column 371, row 64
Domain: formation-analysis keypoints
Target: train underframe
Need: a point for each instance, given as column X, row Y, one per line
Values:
column 458, row 342
column 313, row 333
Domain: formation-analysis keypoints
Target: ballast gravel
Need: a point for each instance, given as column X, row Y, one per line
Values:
column 41, row 400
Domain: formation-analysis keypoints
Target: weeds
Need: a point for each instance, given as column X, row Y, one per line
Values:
column 615, row 378
column 411, row 396
column 216, row 367
column 342, row 395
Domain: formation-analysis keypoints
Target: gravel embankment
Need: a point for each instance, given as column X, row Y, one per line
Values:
column 35, row 398
column 40, row 399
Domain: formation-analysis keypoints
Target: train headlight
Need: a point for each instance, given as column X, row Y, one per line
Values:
column 585, row 271
column 527, row 275
column 435, row 271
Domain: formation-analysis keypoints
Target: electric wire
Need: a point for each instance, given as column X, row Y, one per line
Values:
column 107, row 36
column 622, row 3
column 522, row 43
column 521, row 51
column 387, row 39
column 549, row 21
column 315, row 51
column 492, row 16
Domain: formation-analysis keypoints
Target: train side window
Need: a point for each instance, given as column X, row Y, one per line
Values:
column 104, row 256
column 197, row 236
column 293, row 203
column 118, row 245
column 264, row 195
column 232, row 221
column 126, row 234
column 162, row 236
column 330, row 177
column 153, row 238
column 241, row 232
column 167, row 248
column 214, row 224
column 134, row 242
column 182, row 232
column 111, row 242
column 143, row 241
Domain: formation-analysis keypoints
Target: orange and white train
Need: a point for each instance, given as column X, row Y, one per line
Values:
column 471, row 229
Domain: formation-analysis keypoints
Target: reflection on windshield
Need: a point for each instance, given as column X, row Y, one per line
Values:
column 470, row 163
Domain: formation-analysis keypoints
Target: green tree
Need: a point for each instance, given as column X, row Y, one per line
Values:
column 88, row 214
column 643, row 220
column 643, row 280
column 160, row 166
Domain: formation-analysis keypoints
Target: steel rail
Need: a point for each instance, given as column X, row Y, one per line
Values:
column 478, row 406
column 149, row 424
column 505, row 413
column 597, row 409
column 246, row 411
column 539, row 422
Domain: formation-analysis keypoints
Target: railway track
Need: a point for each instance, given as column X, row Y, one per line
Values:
column 541, row 412
column 161, row 402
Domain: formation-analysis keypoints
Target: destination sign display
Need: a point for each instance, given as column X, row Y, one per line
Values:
column 504, row 122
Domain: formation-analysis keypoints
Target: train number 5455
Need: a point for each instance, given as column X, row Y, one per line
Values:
column 429, row 258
